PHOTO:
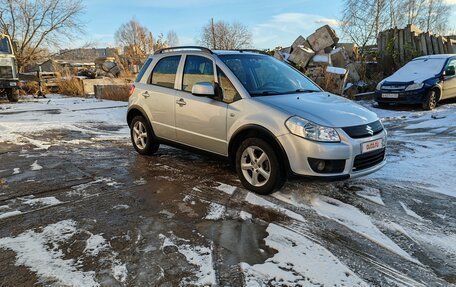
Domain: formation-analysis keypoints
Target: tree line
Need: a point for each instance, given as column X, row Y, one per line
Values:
column 362, row 20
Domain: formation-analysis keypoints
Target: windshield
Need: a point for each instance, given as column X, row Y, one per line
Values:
column 426, row 67
column 5, row 47
column 266, row 76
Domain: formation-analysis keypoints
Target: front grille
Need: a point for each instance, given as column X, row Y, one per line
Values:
column 364, row 131
column 6, row 72
column 394, row 88
column 367, row 160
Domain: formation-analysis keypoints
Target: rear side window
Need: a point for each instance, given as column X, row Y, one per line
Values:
column 164, row 73
column 197, row 69
column 143, row 70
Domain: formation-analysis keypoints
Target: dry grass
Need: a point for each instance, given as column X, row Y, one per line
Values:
column 113, row 92
column 31, row 88
column 71, row 87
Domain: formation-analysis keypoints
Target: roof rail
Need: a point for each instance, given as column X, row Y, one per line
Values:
column 252, row 51
column 204, row 49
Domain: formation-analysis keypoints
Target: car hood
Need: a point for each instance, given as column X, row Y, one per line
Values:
column 322, row 108
column 408, row 78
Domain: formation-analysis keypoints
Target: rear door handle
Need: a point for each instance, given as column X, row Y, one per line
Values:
column 181, row 102
column 146, row 94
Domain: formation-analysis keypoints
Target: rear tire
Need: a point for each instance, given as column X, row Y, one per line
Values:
column 259, row 167
column 142, row 136
column 12, row 95
column 431, row 101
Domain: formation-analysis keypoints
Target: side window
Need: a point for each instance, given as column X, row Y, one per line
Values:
column 197, row 69
column 451, row 67
column 230, row 94
column 143, row 70
column 164, row 73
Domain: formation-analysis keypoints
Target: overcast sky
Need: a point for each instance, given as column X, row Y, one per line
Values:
column 272, row 22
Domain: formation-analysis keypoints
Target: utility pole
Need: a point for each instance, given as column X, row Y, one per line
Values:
column 214, row 44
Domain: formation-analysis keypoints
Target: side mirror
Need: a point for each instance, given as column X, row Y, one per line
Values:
column 203, row 89
column 450, row 71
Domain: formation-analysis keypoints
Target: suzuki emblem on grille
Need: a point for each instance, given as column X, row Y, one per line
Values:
column 370, row 130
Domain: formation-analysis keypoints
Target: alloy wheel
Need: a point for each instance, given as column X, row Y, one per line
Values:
column 255, row 166
column 140, row 135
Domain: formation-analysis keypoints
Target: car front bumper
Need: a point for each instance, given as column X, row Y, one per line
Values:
column 404, row 97
column 299, row 151
column 8, row 84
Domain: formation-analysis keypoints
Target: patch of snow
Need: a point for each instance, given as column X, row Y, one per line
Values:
column 335, row 70
column 40, row 252
column 354, row 219
column 259, row 201
column 215, row 211
column 410, row 212
column 140, row 181
column 10, row 214
column 16, row 170
column 299, row 262
column 245, row 215
column 46, row 201
column 119, row 271
column 96, row 244
column 228, row 189
column 35, row 166
column 121, row 206
column 371, row 194
column 200, row 256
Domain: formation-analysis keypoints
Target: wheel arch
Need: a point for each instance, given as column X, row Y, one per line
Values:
column 438, row 90
column 136, row 111
column 257, row 131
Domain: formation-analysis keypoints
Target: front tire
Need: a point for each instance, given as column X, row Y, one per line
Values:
column 142, row 136
column 258, row 167
column 12, row 95
column 431, row 101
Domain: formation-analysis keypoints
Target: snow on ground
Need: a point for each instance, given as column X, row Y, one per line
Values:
column 299, row 262
column 357, row 221
column 428, row 154
column 199, row 256
column 372, row 194
column 259, row 201
column 40, row 252
column 410, row 212
column 59, row 112
column 215, row 211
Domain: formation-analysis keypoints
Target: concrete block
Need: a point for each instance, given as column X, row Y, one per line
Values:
column 340, row 58
column 300, row 41
column 301, row 56
column 335, row 80
column 323, row 37
column 353, row 72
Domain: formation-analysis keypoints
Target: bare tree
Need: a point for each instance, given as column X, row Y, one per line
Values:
column 362, row 20
column 172, row 39
column 136, row 39
column 226, row 36
column 37, row 26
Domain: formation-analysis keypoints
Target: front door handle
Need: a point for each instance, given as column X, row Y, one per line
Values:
column 146, row 94
column 181, row 102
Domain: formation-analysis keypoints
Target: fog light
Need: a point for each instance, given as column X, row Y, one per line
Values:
column 327, row 165
column 321, row 165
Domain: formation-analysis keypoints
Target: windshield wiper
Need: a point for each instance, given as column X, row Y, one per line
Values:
column 305, row 91
column 266, row 93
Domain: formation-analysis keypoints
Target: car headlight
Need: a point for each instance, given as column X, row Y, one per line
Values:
column 309, row 130
column 415, row 86
column 379, row 86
